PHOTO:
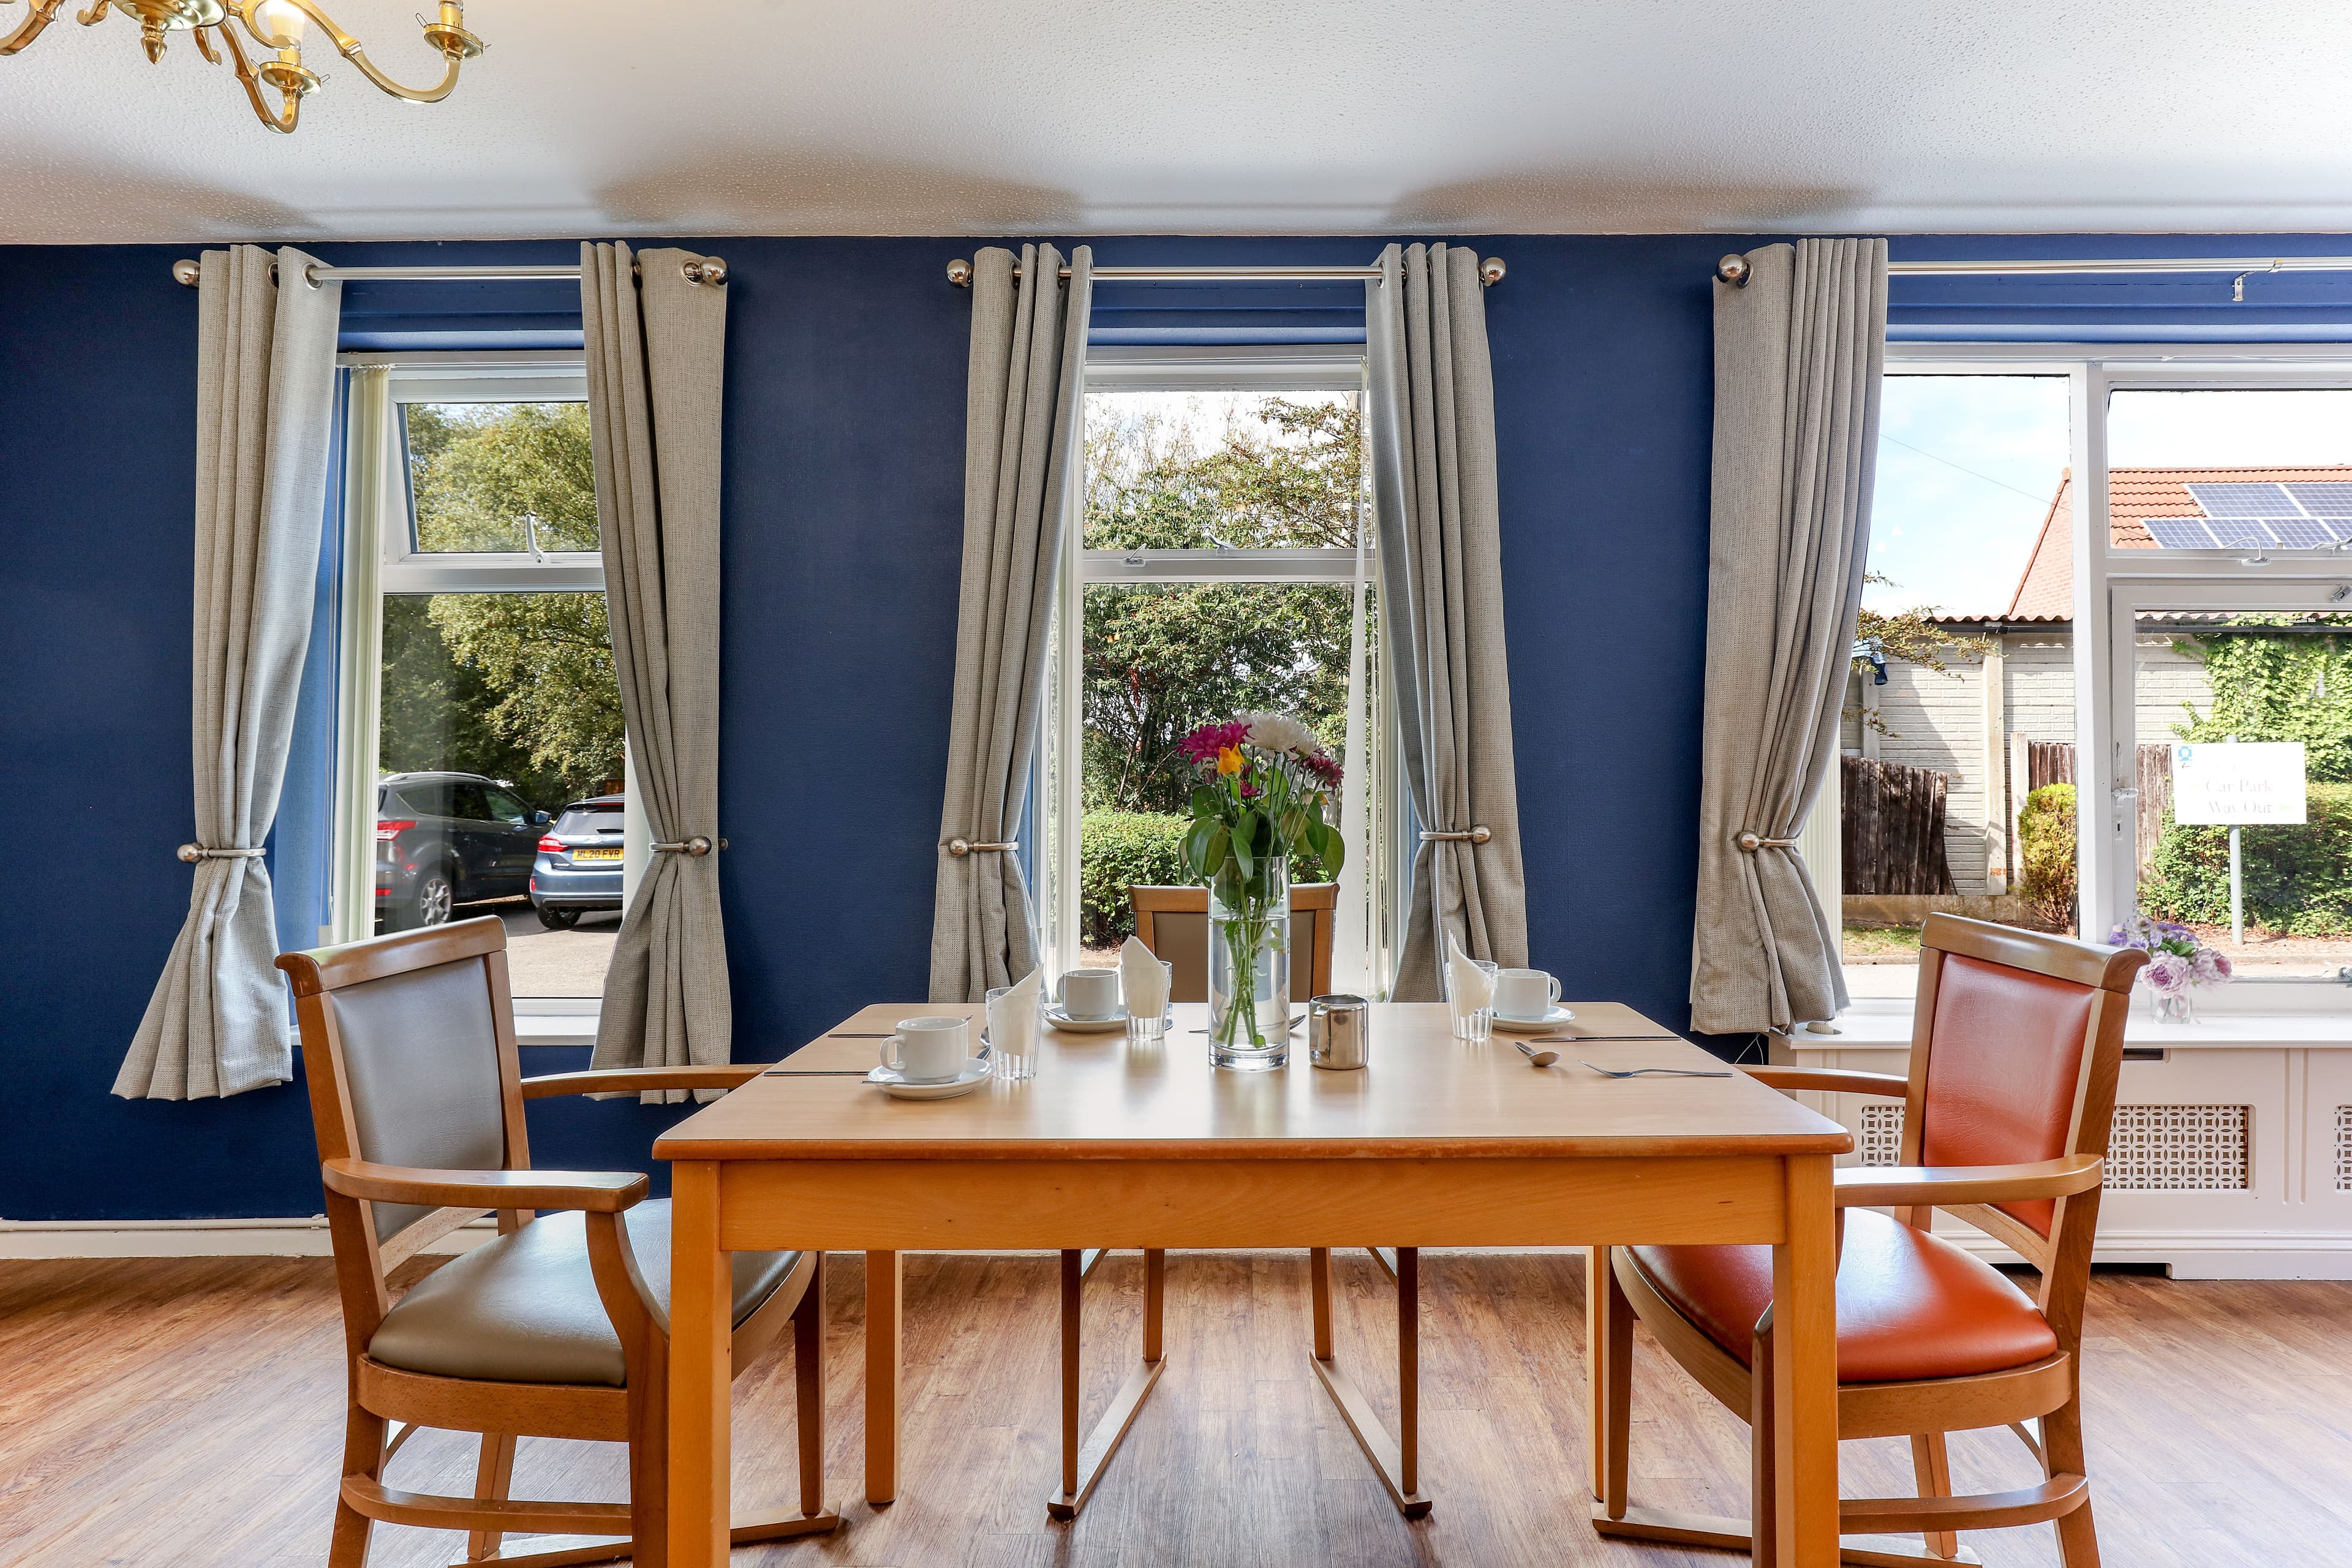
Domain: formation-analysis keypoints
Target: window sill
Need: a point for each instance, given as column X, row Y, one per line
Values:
column 556, row 1020
column 1875, row 1023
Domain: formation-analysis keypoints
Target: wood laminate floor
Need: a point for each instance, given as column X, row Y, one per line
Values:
column 185, row 1414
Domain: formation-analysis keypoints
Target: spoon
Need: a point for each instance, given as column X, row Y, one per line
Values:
column 1535, row 1058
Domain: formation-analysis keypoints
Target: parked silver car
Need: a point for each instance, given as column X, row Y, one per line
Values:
column 578, row 864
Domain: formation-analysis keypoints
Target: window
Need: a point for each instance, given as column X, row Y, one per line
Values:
column 479, row 707
column 1220, row 559
column 2185, row 585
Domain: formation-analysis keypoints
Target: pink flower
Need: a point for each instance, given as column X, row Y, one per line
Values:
column 1324, row 766
column 2169, row 974
column 1203, row 744
column 2210, row 967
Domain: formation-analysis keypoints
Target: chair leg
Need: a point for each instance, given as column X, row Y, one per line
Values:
column 808, row 1386
column 1608, row 1333
column 1933, row 1462
column 649, row 1461
column 492, row 1477
column 1763, row 1527
column 362, row 1456
column 2062, row 1454
column 1318, row 1279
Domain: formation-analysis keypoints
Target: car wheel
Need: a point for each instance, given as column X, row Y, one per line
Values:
column 429, row 905
column 558, row 920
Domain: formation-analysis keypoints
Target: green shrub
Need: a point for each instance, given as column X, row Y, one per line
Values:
column 2298, row 877
column 1118, row 850
column 1123, row 849
column 2045, row 848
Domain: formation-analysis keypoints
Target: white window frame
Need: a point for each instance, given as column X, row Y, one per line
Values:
column 380, row 557
column 2112, row 588
column 1056, row 783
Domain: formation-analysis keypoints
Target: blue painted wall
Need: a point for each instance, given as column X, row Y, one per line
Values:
column 845, row 453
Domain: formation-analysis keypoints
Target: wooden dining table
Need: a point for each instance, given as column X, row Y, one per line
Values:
column 1436, row 1144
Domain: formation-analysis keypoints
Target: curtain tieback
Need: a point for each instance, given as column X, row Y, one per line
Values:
column 697, row 846
column 192, row 853
column 959, row 847
column 1480, row 833
column 1751, row 841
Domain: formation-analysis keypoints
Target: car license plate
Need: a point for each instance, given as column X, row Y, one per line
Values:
column 595, row 855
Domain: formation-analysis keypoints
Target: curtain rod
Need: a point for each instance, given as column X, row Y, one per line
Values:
column 1490, row 272
column 704, row 269
column 1733, row 270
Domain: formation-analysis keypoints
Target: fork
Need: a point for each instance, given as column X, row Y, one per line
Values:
column 1661, row 1073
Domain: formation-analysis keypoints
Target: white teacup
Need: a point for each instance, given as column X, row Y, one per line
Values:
column 1090, row 993
column 929, row 1049
column 1525, row 995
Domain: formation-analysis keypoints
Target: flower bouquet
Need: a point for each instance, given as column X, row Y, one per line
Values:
column 1265, row 783
column 2178, row 964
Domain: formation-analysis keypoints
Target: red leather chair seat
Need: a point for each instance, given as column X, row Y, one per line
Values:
column 1908, row 1305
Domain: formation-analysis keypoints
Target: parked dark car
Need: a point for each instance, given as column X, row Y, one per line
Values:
column 445, row 839
column 579, row 867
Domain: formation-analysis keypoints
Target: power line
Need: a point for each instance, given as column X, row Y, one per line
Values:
column 2028, row 495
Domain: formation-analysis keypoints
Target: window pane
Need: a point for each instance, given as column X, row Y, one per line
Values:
column 1197, row 470
column 499, row 476
column 1970, row 606
column 2243, row 469
column 2203, row 682
column 515, row 694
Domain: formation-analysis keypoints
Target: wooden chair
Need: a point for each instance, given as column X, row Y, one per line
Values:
column 557, row 1329
column 1173, row 923
column 2016, row 1042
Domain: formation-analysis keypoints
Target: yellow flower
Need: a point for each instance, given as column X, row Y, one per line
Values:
column 1229, row 759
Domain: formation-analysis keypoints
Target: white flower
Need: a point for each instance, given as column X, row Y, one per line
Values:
column 1279, row 732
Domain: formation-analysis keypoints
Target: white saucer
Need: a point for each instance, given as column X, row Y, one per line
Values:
column 1551, row 1020
column 975, row 1073
column 1062, row 1020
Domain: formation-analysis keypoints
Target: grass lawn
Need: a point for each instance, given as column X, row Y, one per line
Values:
column 1882, row 944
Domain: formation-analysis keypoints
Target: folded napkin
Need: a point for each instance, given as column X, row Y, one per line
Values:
column 1142, row 981
column 1470, row 986
column 1014, row 1019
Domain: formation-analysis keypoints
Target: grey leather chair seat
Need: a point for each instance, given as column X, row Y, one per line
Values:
column 524, row 1308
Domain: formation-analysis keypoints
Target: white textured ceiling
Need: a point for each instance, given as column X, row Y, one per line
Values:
column 597, row 117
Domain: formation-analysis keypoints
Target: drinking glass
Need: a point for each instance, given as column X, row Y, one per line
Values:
column 1012, row 1047
column 1152, row 1030
column 1477, row 1025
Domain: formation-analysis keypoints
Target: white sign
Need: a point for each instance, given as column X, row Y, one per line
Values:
column 2235, row 782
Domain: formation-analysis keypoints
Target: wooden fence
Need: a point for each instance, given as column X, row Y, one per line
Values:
column 1894, row 827
column 2053, row 762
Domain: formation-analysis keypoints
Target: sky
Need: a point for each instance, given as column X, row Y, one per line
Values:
column 1967, row 464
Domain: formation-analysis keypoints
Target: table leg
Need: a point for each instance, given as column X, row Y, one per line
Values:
column 700, row 1356
column 1396, row 1460
column 1804, row 1369
column 885, row 1311
column 1083, row 1459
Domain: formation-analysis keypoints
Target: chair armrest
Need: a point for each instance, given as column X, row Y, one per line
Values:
column 1831, row 1080
column 633, row 1080
column 1946, row 1185
column 598, row 1192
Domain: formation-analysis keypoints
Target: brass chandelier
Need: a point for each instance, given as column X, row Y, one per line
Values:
column 277, row 27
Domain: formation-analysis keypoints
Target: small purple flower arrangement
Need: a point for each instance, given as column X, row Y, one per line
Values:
column 2178, row 964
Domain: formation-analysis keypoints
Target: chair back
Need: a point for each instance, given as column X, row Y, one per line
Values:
column 1173, row 923
column 2017, row 1042
column 408, row 1049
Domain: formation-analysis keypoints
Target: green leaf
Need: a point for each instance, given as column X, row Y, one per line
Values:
column 1244, row 841
column 1204, row 801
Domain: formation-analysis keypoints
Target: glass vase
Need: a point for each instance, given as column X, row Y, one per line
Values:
column 2172, row 1007
column 1249, row 966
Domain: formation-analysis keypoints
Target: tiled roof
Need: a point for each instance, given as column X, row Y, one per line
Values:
column 2045, row 590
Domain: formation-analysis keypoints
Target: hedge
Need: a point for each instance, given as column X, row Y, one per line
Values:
column 2046, row 848
column 1122, row 849
column 2298, row 877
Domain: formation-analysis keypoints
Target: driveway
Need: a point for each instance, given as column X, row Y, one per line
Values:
column 543, row 963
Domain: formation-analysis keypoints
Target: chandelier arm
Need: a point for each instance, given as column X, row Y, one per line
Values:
column 283, row 123
column 44, row 12
column 456, row 43
column 203, row 38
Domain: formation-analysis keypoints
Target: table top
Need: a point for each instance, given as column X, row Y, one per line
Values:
column 1425, row 1093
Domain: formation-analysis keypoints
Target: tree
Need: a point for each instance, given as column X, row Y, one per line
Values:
column 1913, row 636
column 516, row 686
column 1160, row 659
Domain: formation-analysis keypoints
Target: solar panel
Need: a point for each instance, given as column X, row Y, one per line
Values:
column 2324, row 499
column 2244, row 500
column 2309, row 535
column 2180, row 533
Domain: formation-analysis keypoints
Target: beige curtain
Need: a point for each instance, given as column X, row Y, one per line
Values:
column 217, row 1023
column 657, row 362
column 1797, row 354
column 1021, row 432
column 1430, row 418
